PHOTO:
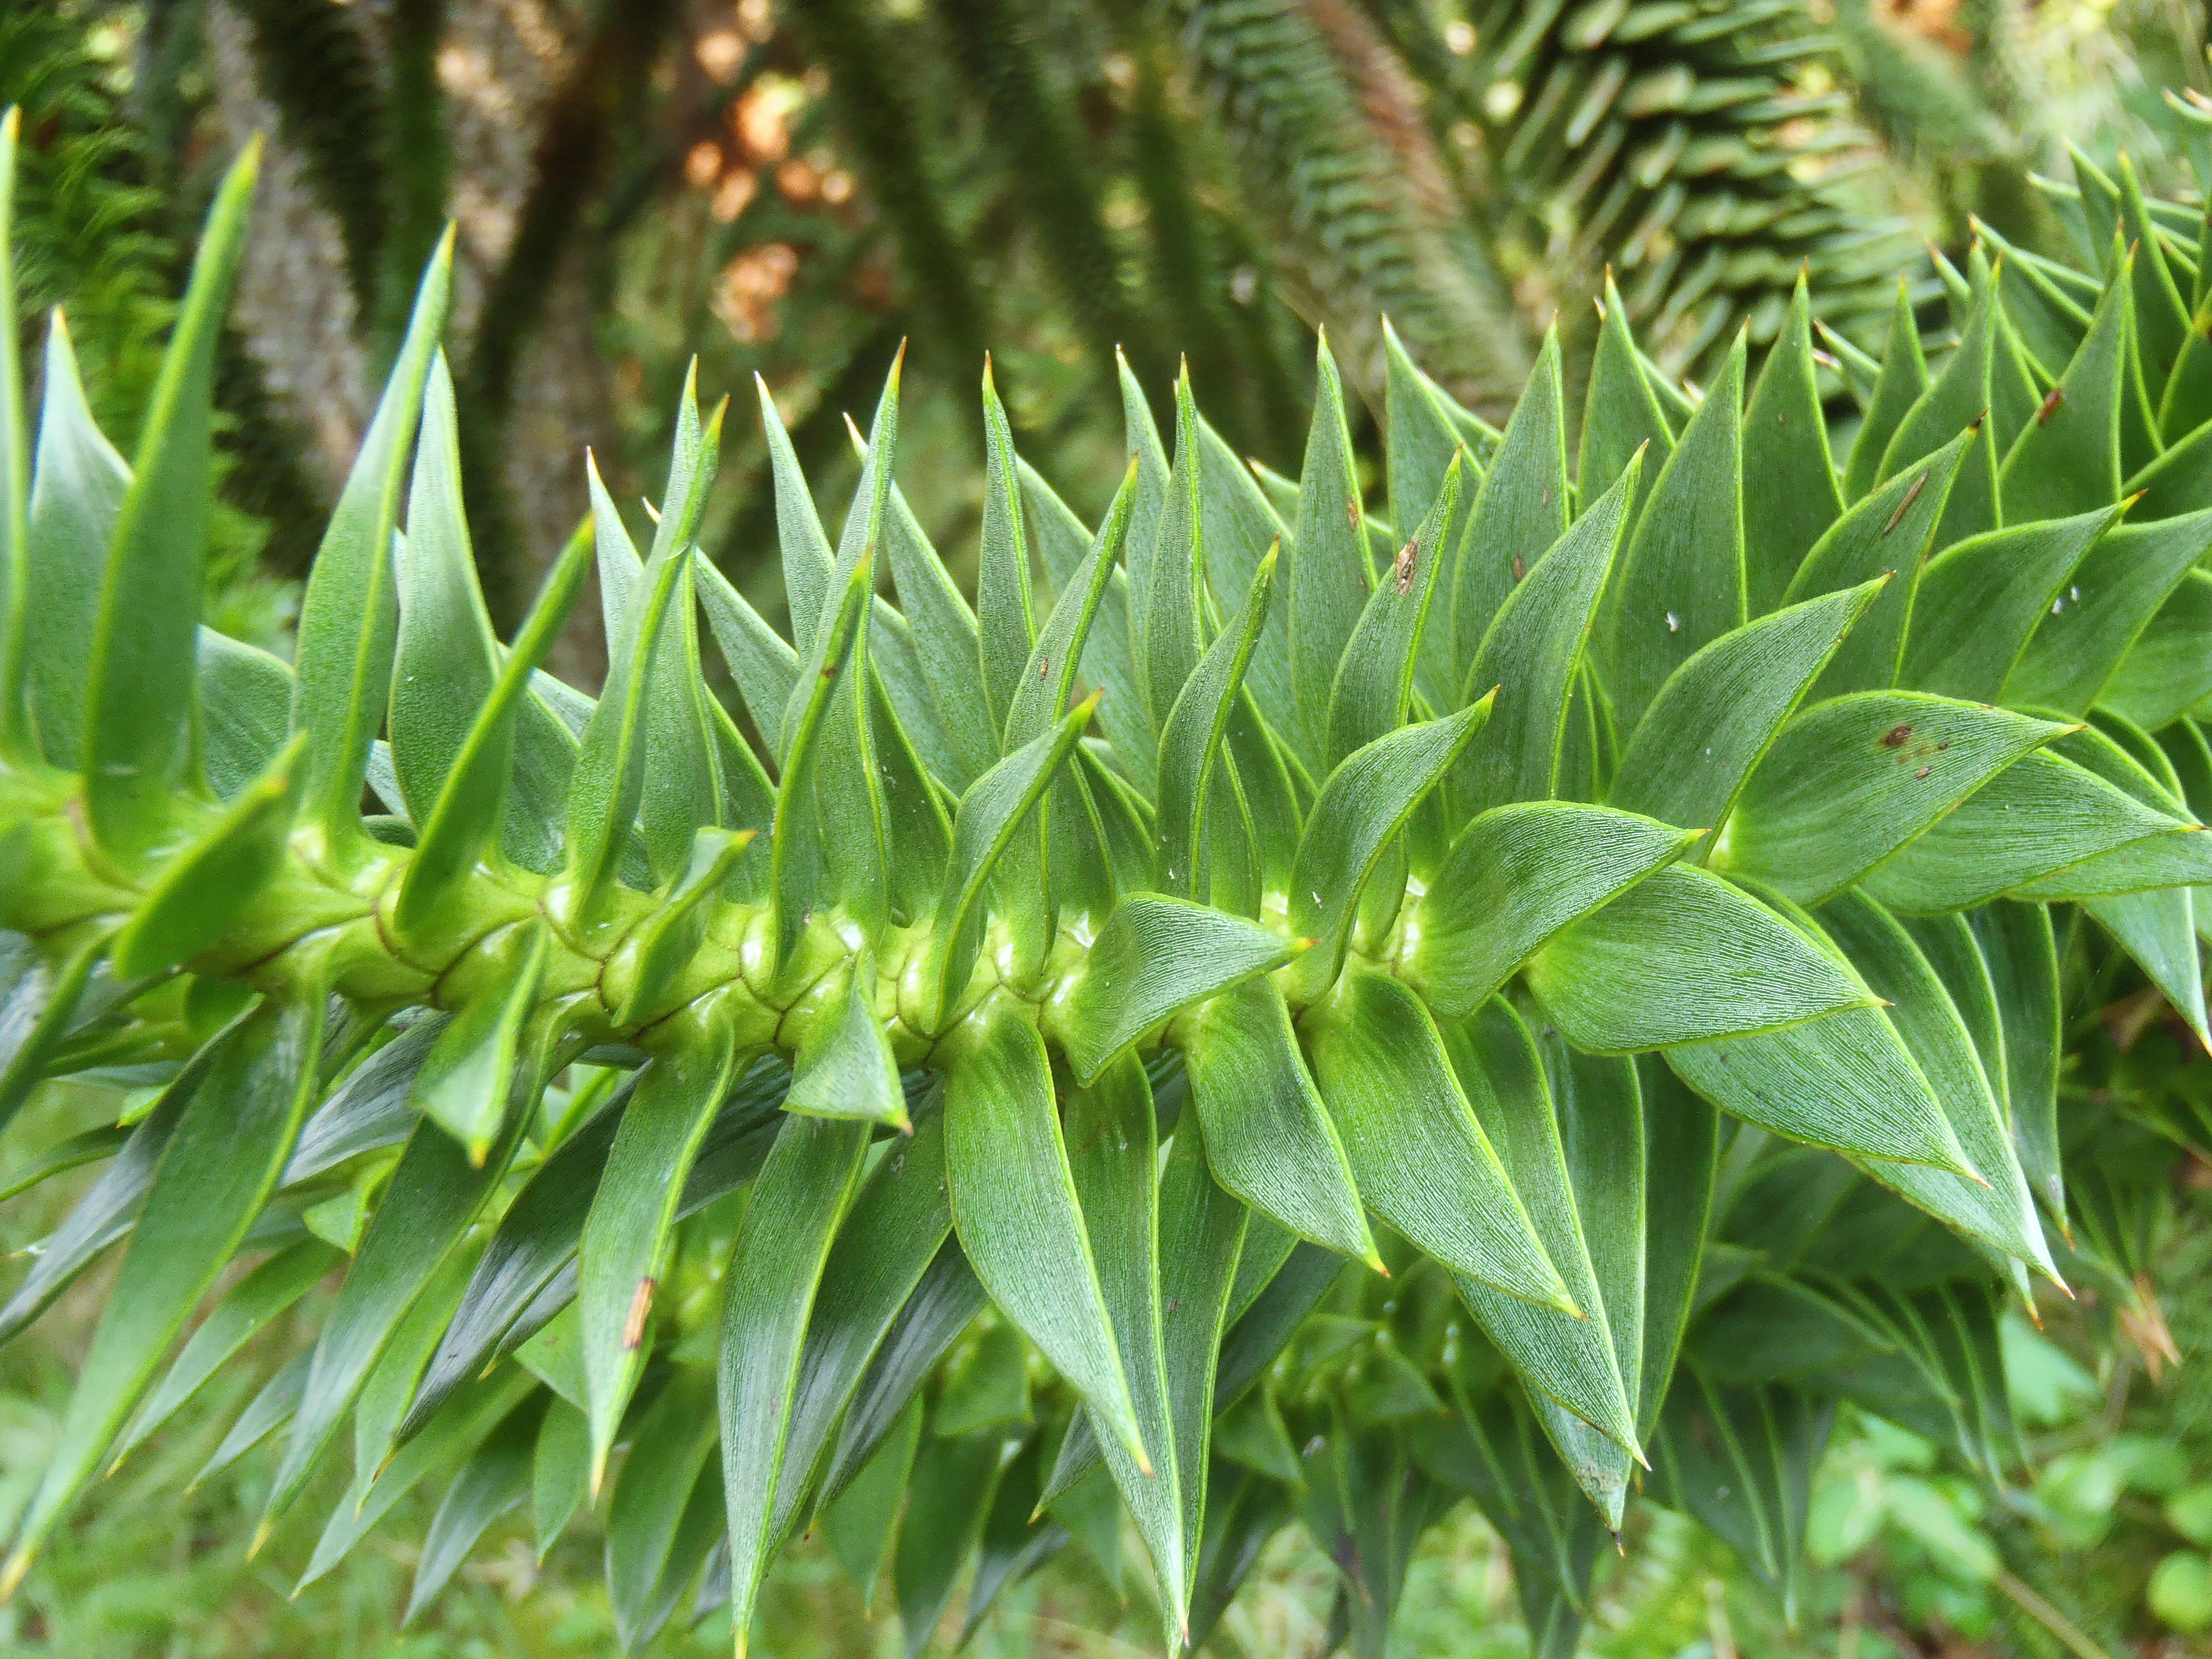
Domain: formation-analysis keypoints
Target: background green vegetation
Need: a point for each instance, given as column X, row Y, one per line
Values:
column 789, row 190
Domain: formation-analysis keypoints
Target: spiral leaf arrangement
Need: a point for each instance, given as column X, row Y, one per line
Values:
column 1703, row 150
column 1267, row 1015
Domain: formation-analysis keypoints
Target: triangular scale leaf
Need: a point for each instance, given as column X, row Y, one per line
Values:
column 768, row 1296
column 76, row 493
column 2068, row 462
column 139, row 697
column 1679, row 957
column 1620, row 415
column 1268, row 1138
column 1716, row 714
column 1004, row 618
column 1927, row 1018
column 1330, row 575
column 1889, row 533
column 1979, row 602
column 1191, row 739
column 1375, row 681
column 1516, row 876
column 1015, row 1208
column 1154, row 957
column 1113, row 1159
column 1361, row 810
column 1904, row 378
column 207, row 885
column 1682, row 582
column 1419, row 1153
column 1521, row 510
column 465, row 1086
column 1849, row 781
column 844, row 1067
column 1569, row 1360
column 2110, row 598
column 626, row 1235
column 470, row 802
column 1789, row 491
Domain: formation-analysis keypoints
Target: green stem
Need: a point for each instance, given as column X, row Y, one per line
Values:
column 329, row 912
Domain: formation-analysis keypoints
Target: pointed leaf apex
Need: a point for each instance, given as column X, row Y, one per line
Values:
column 989, row 390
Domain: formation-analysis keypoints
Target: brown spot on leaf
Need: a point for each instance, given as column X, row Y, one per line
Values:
column 1402, row 569
column 1924, row 772
column 1519, row 568
column 1895, row 736
column 634, row 1321
column 2050, row 406
column 1912, row 495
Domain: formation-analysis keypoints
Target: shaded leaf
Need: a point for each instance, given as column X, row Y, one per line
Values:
column 1014, row 1205
column 1268, row 1138
column 766, row 1297
column 1679, row 957
column 1715, row 717
column 1415, row 1149
column 1154, row 957
column 1847, row 783
column 1516, row 876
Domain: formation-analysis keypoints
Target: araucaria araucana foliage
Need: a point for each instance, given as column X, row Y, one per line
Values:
column 1262, row 1016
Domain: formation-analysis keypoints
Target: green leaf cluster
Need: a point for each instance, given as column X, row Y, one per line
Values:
column 1286, row 1008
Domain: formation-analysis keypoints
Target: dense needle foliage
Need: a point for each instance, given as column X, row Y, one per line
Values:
column 1275, row 1012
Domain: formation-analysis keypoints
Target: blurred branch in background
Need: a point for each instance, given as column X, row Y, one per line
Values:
column 790, row 189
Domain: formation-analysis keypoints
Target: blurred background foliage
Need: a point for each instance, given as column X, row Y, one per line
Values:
column 788, row 188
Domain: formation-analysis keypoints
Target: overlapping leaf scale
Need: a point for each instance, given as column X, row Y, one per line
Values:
column 1550, row 1044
